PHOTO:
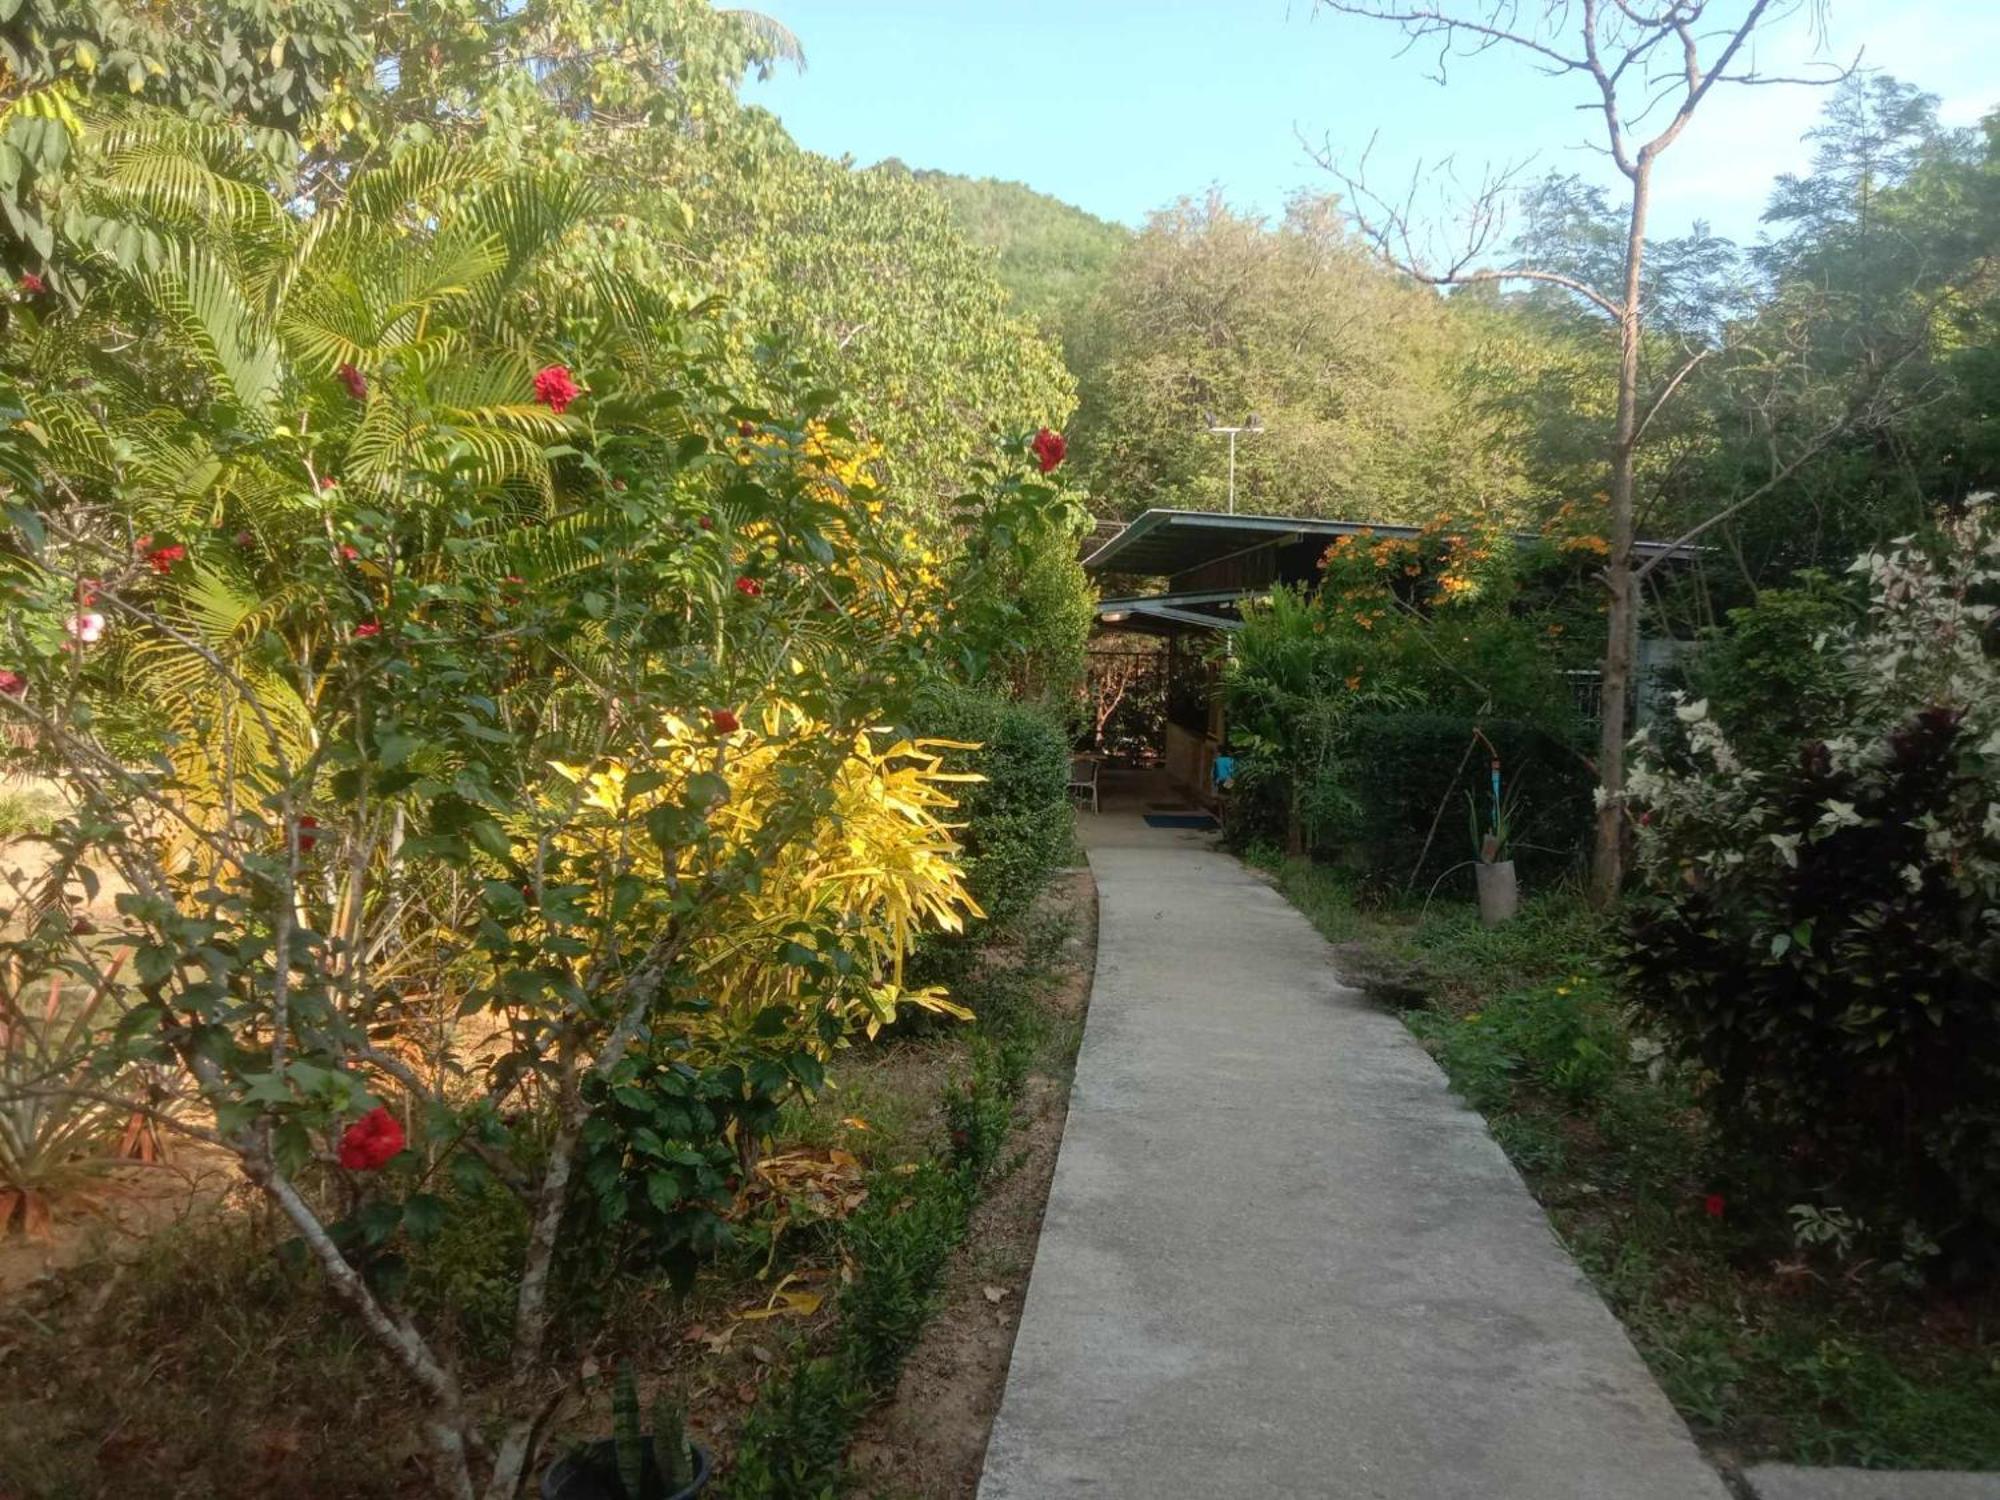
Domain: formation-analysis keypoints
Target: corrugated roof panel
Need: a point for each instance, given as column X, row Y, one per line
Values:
column 1167, row 542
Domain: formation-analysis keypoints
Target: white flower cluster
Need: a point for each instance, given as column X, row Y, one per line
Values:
column 1922, row 646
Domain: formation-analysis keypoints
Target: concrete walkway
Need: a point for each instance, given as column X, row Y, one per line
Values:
column 1280, row 1259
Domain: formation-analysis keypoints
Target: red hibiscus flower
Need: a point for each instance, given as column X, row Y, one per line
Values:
column 371, row 1142
column 13, row 684
column 354, row 380
column 555, row 389
column 724, row 721
column 33, row 285
column 327, row 481
column 308, row 832
column 163, row 559
column 1049, row 449
column 365, row 629
column 749, row 588
column 1713, row 1205
column 348, row 552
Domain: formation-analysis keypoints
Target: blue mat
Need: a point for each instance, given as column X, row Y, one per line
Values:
column 1181, row 820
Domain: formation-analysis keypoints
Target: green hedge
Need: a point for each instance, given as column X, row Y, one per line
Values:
column 794, row 1445
column 1018, row 823
column 1400, row 766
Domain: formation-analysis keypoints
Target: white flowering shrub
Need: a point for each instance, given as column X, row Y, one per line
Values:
column 1819, row 927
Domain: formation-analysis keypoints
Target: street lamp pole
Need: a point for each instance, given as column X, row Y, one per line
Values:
column 1253, row 425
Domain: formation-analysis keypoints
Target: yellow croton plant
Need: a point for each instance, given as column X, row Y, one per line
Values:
column 881, row 865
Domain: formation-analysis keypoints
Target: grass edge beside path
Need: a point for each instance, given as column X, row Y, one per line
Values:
column 912, row 1255
column 1771, row 1346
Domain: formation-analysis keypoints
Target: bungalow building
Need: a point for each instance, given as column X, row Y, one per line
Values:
column 1210, row 563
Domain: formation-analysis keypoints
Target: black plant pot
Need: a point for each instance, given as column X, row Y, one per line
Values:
column 592, row 1474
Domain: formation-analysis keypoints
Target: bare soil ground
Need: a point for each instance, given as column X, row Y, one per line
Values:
column 929, row 1441
column 112, row 1218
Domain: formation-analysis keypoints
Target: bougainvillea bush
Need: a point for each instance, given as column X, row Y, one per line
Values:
column 1818, row 927
column 470, row 709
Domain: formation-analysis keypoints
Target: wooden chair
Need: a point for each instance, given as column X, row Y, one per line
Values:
column 1083, row 777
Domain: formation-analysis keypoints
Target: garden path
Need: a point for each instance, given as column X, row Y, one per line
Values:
column 1280, row 1259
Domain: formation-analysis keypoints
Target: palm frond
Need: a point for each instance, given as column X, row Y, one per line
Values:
column 528, row 216
column 412, row 188
column 771, row 41
column 197, row 292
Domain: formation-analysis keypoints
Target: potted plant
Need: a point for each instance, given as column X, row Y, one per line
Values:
column 1493, row 866
column 632, row 1464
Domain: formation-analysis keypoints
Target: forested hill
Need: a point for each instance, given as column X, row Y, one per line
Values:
column 1843, row 383
column 1052, row 256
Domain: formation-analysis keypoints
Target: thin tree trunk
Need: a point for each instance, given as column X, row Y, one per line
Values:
column 446, row 1419
column 531, row 1309
column 1608, row 863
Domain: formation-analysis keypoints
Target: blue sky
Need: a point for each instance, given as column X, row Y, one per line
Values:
column 1120, row 106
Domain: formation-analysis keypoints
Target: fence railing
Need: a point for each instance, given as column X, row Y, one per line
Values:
column 1586, row 689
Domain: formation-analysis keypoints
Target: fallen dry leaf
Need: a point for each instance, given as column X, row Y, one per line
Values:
column 718, row 1343
column 995, row 1293
column 787, row 1300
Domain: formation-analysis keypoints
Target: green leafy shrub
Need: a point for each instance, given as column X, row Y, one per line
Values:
column 1018, row 824
column 793, row 1443
column 1821, row 931
column 980, row 1109
column 654, row 1163
column 1426, row 627
column 1564, row 1040
column 900, row 1241
column 1763, row 677
column 1403, row 766
column 1050, row 604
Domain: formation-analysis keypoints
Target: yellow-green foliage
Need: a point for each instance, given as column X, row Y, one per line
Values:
column 879, row 865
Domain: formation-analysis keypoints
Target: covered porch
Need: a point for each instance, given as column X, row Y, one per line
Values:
column 1159, row 716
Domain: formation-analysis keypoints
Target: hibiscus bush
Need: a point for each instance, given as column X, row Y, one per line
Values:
column 469, row 705
column 1817, row 924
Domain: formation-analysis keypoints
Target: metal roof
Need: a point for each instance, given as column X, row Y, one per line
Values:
column 1167, row 542
column 1175, row 609
column 1189, row 599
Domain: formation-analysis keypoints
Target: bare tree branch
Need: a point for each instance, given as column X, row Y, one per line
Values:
column 1617, row 44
